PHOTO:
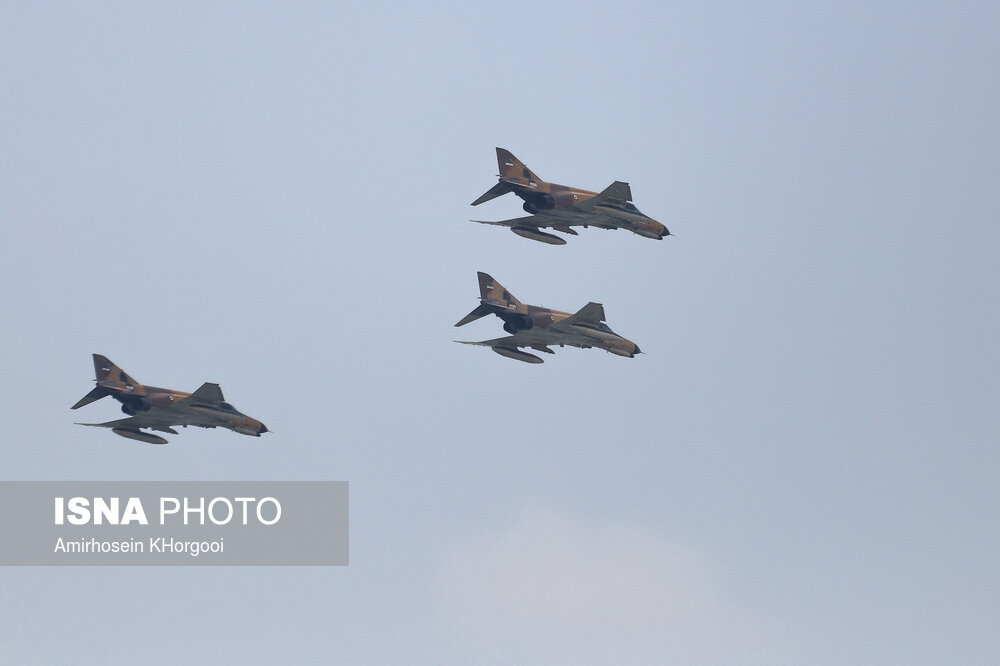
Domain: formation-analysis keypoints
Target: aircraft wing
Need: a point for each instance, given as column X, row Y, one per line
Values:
column 526, row 221
column 158, row 421
column 615, row 193
column 132, row 428
column 536, row 338
column 130, row 422
column 207, row 392
column 590, row 314
column 519, row 339
column 533, row 340
column 510, row 342
column 582, row 213
column 509, row 347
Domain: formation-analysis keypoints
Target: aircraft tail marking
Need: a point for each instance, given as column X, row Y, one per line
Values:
column 493, row 293
column 511, row 167
column 109, row 378
column 110, row 375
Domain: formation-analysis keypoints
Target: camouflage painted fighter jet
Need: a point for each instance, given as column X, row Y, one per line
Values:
column 158, row 408
column 538, row 327
column 560, row 207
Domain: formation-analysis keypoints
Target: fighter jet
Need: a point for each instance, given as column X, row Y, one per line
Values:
column 537, row 327
column 560, row 207
column 159, row 408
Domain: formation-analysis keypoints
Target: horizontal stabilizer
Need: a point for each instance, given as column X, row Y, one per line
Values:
column 480, row 311
column 497, row 190
column 96, row 393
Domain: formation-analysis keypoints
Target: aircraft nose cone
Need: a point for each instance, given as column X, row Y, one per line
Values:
column 636, row 350
column 263, row 429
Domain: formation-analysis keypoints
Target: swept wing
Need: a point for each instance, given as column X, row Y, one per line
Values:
column 207, row 392
column 561, row 219
column 617, row 193
column 591, row 314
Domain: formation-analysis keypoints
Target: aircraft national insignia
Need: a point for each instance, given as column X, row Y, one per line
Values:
column 538, row 327
column 155, row 408
column 560, row 207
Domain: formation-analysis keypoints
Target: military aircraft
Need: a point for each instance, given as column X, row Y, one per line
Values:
column 560, row 207
column 159, row 408
column 537, row 327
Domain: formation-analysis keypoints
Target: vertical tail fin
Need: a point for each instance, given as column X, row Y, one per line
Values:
column 109, row 374
column 110, row 380
column 511, row 167
column 494, row 293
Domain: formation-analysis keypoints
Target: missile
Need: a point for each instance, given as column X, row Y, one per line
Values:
column 139, row 435
column 535, row 234
column 517, row 354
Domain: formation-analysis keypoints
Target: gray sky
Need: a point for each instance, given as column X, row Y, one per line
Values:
column 800, row 469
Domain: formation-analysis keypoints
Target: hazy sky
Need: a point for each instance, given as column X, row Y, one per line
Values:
column 801, row 467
